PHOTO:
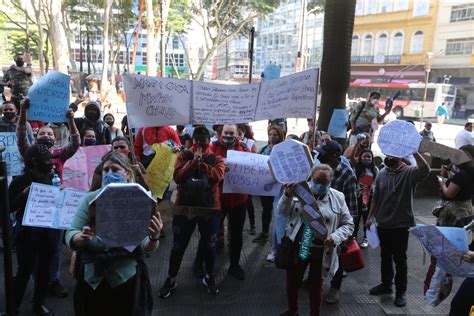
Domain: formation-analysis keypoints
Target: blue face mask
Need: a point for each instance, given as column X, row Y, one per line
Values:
column 318, row 188
column 109, row 178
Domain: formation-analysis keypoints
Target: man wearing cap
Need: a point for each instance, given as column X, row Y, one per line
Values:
column 367, row 114
column 35, row 247
column 344, row 181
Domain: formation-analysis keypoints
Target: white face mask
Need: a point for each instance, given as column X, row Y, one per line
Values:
column 374, row 101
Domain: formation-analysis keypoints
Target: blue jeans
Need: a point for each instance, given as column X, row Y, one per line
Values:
column 55, row 266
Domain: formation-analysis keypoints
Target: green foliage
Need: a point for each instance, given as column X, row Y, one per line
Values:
column 17, row 43
column 179, row 16
column 315, row 6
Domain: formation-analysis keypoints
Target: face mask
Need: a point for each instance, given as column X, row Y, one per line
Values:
column 374, row 101
column 319, row 189
column 366, row 162
column 390, row 162
column 109, row 178
column 90, row 141
column 46, row 141
column 9, row 115
column 110, row 123
column 228, row 140
column 19, row 63
column 274, row 140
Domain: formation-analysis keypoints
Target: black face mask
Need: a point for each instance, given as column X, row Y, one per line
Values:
column 390, row 162
column 46, row 141
column 228, row 140
column 274, row 140
column 9, row 115
column 19, row 63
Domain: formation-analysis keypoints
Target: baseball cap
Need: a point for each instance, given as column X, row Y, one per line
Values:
column 330, row 148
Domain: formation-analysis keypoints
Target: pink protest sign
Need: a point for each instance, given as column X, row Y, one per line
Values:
column 79, row 169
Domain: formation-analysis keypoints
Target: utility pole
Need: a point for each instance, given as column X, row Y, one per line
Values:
column 301, row 37
column 251, row 46
column 429, row 56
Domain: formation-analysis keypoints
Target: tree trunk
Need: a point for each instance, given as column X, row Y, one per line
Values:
column 165, row 8
column 150, row 40
column 104, row 83
column 336, row 62
column 58, row 38
column 37, row 10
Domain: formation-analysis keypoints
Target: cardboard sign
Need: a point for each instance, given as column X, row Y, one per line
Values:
column 271, row 72
column 123, row 214
column 399, row 139
column 11, row 154
column 445, row 152
column 338, row 124
column 223, row 104
column 51, row 207
column 79, row 169
column 50, row 98
column 156, row 101
column 291, row 162
column 160, row 171
column 249, row 173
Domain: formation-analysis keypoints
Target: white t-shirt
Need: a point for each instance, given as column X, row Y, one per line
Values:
column 464, row 137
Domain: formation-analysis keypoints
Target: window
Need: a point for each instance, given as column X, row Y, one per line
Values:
column 382, row 44
column 463, row 12
column 400, row 5
column 359, row 7
column 143, row 58
column 367, row 49
column 397, row 44
column 241, row 69
column 421, row 7
column 355, row 46
column 370, row 6
column 385, row 6
column 175, row 42
column 417, row 43
column 460, row 46
column 178, row 60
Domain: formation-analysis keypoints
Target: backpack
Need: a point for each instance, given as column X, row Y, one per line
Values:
column 197, row 189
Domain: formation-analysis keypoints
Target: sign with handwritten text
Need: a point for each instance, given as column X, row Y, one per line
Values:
column 160, row 171
column 249, row 173
column 399, row 139
column 11, row 154
column 51, row 207
column 155, row 101
column 291, row 162
column 338, row 124
column 50, row 98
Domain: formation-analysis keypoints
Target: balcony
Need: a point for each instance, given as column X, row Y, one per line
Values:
column 387, row 59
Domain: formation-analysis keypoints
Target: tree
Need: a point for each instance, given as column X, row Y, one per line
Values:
column 105, row 46
column 336, row 63
column 17, row 42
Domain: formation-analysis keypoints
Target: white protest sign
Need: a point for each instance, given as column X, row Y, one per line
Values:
column 399, row 139
column 51, row 207
column 289, row 96
column 155, row 101
column 223, row 104
column 249, row 173
column 291, row 162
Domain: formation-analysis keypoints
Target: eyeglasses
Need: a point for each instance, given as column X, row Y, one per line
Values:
column 120, row 147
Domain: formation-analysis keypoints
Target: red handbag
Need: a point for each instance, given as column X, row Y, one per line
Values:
column 351, row 257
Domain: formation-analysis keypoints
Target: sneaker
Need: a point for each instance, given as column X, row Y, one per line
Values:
column 58, row 290
column 344, row 273
column 400, row 300
column 168, row 288
column 289, row 313
column 253, row 230
column 380, row 289
column 237, row 272
column 364, row 243
column 261, row 237
column 333, row 296
column 210, row 283
column 198, row 269
column 271, row 257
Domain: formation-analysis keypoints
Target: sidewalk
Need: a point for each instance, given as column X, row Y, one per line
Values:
column 263, row 292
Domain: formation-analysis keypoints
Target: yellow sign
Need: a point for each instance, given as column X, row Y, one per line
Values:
column 160, row 171
column 472, row 311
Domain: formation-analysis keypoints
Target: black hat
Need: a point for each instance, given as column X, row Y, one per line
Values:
column 330, row 147
column 374, row 92
column 38, row 151
column 200, row 132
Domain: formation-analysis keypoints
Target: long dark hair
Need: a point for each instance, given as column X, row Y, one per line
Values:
column 248, row 133
column 360, row 167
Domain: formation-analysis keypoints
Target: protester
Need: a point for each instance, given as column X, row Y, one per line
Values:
column 18, row 78
column 184, row 137
column 363, row 143
column 147, row 136
column 35, row 247
column 442, row 113
column 115, row 132
column 463, row 301
column 345, row 181
column 308, row 136
column 61, row 134
column 275, row 136
column 247, row 137
column 464, row 137
column 124, row 125
column 323, row 260
column 427, row 133
column 367, row 114
column 196, row 163
column 10, row 119
column 120, row 145
column 92, row 120
column 217, row 129
column 392, row 209
column 233, row 205
column 93, row 93
column 125, row 288
column 366, row 172
column 88, row 137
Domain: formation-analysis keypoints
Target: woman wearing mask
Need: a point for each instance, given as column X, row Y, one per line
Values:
column 88, row 137
column 363, row 143
column 120, row 145
column 366, row 171
column 323, row 260
column 109, row 120
column 275, row 136
column 125, row 287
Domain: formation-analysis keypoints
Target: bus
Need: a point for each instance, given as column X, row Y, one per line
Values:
column 409, row 103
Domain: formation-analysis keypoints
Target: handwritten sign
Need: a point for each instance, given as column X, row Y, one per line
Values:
column 249, row 173
column 11, row 154
column 123, row 213
column 289, row 96
column 79, row 169
column 338, row 124
column 155, row 101
column 291, row 162
column 51, row 207
column 223, row 104
column 445, row 152
column 160, row 171
column 50, row 98
column 271, row 71
column 399, row 139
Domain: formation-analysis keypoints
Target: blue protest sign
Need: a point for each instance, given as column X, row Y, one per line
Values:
column 49, row 98
column 338, row 123
column 11, row 154
column 271, row 71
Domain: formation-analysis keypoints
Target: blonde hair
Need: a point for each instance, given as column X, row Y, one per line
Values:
column 323, row 168
column 122, row 161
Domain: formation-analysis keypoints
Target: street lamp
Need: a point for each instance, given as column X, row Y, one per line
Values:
column 429, row 56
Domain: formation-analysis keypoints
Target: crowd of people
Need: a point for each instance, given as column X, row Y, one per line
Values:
column 351, row 189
